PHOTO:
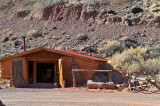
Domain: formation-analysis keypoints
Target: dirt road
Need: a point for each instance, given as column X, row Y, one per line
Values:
column 74, row 97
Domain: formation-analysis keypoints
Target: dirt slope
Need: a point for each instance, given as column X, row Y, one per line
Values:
column 80, row 25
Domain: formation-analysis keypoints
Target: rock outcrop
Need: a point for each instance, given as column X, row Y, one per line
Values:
column 124, row 12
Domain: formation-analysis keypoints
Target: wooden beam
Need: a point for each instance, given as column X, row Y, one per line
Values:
column 83, row 70
column 55, row 71
column 25, row 62
column 153, row 83
column 75, row 66
column 34, row 72
column 33, row 59
column 110, row 76
column 74, row 79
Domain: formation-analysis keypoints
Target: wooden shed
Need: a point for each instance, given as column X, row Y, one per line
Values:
column 39, row 66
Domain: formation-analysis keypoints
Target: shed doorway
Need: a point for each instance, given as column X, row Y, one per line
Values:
column 45, row 73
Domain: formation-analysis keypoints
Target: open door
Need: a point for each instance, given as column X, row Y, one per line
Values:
column 17, row 73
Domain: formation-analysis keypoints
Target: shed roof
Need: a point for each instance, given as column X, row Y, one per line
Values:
column 63, row 52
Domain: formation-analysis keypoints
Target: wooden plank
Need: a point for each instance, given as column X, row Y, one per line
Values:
column 141, row 79
column 79, row 78
column 75, row 66
column 153, row 83
column 18, row 73
column 25, row 62
column 83, row 70
column 74, row 79
column 55, row 71
column 110, row 76
column 41, row 59
column 60, row 65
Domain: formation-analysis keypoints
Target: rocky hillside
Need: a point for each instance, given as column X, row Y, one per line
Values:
column 128, row 12
column 80, row 25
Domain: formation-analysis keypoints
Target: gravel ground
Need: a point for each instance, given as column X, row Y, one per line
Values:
column 65, row 38
column 74, row 97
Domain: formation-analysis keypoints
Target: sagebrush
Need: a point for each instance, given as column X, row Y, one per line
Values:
column 136, row 60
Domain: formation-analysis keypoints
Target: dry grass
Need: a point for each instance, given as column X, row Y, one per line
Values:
column 155, row 51
column 73, row 3
column 124, row 38
column 129, row 59
column 141, row 60
column 111, row 43
column 111, row 47
column 152, row 66
column 33, row 33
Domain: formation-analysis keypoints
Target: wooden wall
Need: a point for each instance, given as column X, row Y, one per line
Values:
column 82, row 64
column 6, row 68
column 43, row 55
column 67, row 66
column 85, row 64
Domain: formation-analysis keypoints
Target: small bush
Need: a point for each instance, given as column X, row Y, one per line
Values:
column 134, row 60
column 151, row 66
column 155, row 51
column 34, row 33
column 111, row 47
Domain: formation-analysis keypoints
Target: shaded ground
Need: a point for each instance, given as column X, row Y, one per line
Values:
column 74, row 97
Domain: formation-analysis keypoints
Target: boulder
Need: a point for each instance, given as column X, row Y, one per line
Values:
column 16, row 43
column 136, row 10
column 54, row 28
column 22, row 13
column 1, row 104
column 14, row 37
column 5, row 39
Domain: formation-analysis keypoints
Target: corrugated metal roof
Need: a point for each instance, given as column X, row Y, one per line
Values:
column 82, row 55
